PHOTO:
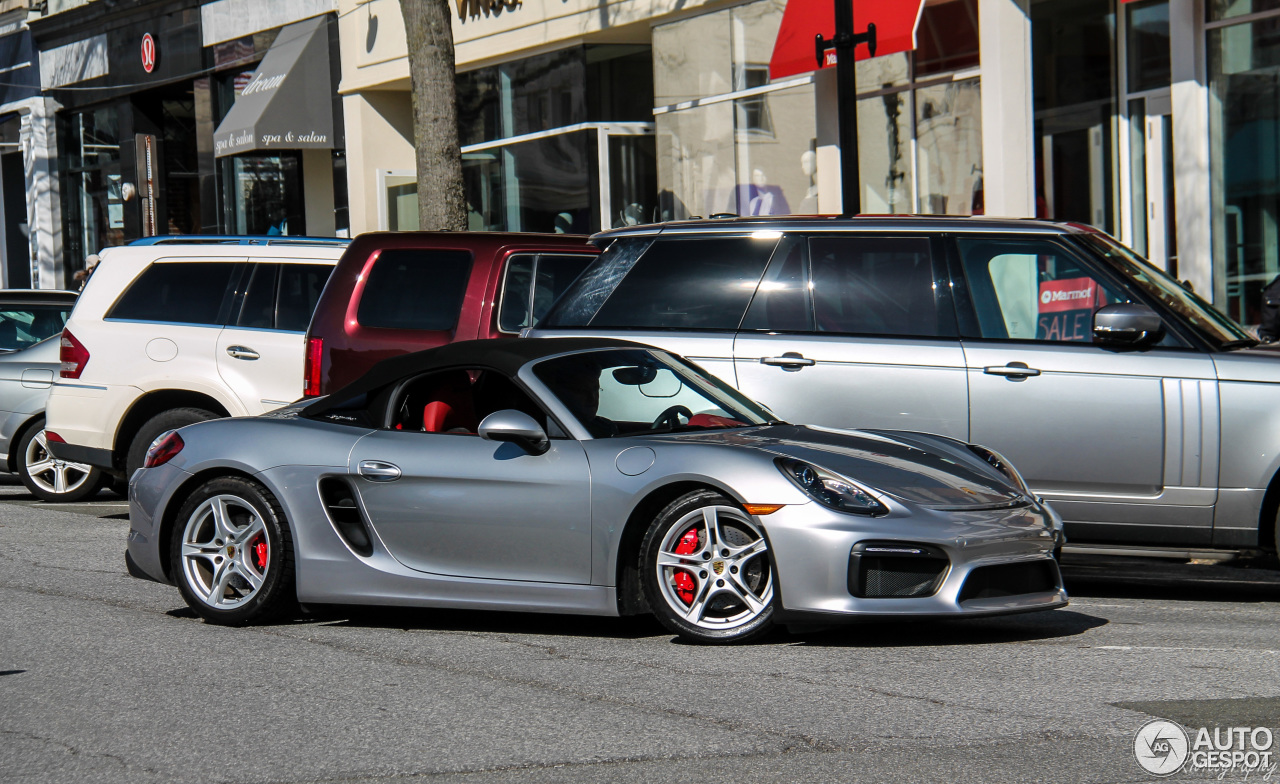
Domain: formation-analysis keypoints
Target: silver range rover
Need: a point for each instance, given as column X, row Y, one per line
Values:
column 1142, row 414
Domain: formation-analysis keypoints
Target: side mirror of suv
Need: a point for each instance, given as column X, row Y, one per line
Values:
column 516, row 427
column 1127, row 325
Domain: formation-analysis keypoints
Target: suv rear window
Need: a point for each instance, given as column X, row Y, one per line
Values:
column 181, row 293
column 415, row 289
column 678, row 283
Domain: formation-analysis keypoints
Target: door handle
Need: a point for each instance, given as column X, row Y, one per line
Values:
column 788, row 361
column 1015, row 371
column 242, row 352
column 378, row 471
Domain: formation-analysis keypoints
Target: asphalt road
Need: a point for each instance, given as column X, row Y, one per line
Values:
column 106, row 678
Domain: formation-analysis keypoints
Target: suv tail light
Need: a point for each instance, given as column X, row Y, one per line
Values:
column 311, row 367
column 163, row 449
column 73, row 356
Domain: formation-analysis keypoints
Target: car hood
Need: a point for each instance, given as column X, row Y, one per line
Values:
column 918, row 468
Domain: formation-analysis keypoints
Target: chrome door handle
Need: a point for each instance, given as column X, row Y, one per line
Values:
column 242, row 352
column 1014, row 370
column 378, row 471
column 788, row 361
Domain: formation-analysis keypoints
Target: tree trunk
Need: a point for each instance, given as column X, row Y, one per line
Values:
column 441, row 204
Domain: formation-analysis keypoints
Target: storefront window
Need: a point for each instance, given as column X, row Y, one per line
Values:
column 542, row 185
column 541, row 93
column 949, row 148
column 885, row 163
column 1244, row 83
column 947, row 38
column 262, row 194
column 1230, row 9
column 1148, row 45
column 1074, row 95
column 93, row 190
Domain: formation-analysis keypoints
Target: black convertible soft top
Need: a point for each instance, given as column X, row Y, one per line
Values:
column 505, row 355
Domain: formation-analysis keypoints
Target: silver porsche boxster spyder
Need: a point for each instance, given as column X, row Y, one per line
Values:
column 582, row 475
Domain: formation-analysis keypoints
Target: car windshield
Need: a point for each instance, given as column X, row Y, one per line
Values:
column 26, row 325
column 620, row 392
column 1199, row 314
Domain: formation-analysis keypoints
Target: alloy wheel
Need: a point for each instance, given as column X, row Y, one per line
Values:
column 225, row 552
column 713, row 569
column 54, row 476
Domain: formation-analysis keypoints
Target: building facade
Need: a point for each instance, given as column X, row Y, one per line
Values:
column 183, row 117
column 1155, row 120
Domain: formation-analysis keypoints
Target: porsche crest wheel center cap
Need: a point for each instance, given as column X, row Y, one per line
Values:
column 231, row 551
column 717, row 567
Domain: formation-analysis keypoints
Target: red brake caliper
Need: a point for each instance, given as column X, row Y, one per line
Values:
column 260, row 553
column 682, row 579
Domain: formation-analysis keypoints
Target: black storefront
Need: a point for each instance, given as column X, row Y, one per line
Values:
column 128, row 159
column 19, row 81
column 136, row 145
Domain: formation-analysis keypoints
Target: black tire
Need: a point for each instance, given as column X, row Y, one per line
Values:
column 197, row 574
column 723, row 616
column 50, row 473
column 172, row 419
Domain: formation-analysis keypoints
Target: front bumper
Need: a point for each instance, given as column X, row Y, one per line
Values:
column 812, row 545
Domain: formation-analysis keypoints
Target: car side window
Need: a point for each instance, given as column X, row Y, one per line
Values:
column 1029, row 289
column 182, row 293
column 258, row 302
column 869, row 285
column 532, row 282
column 298, row 293
column 457, row 401
column 695, row 283
column 409, row 288
column 783, row 302
column 26, row 325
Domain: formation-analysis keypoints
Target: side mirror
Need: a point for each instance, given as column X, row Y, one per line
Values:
column 1127, row 325
column 516, row 427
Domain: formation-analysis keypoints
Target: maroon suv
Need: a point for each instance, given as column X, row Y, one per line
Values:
column 397, row 292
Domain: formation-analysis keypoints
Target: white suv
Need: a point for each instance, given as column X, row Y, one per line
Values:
column 175, row 332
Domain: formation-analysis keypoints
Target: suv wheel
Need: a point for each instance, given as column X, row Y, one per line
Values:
column 49, row 478
column 163, row 422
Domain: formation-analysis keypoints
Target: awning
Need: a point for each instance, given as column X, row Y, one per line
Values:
column 288, row 104
column 793, row 52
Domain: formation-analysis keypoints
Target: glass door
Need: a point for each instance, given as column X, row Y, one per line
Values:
column 1152, row 181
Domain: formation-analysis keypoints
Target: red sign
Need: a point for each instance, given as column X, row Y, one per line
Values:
column 896, row 22
column 1066, row 309
column 148, row 53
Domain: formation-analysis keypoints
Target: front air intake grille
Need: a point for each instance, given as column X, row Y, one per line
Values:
column 340, row 504
column 1012, row 579
column 901, row 570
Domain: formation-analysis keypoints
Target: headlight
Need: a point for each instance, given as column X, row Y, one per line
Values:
column 831, row 490
column 999, row 463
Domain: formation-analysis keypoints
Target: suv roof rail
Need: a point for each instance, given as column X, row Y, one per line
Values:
column 238, row 239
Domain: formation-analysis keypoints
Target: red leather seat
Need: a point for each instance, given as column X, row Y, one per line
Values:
column 452, row 407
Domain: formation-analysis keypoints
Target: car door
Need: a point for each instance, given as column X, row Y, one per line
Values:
column 451, row 503
column 1123, row 443
column 260, row 351
column 851, row 330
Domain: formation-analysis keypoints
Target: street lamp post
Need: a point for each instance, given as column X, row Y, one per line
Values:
column 845, row 41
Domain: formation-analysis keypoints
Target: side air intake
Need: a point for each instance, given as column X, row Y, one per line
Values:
column 340, row 504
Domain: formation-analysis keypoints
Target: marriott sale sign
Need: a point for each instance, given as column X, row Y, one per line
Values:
column 1066, row 309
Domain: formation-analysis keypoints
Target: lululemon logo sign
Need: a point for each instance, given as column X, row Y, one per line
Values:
column 148, row 53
